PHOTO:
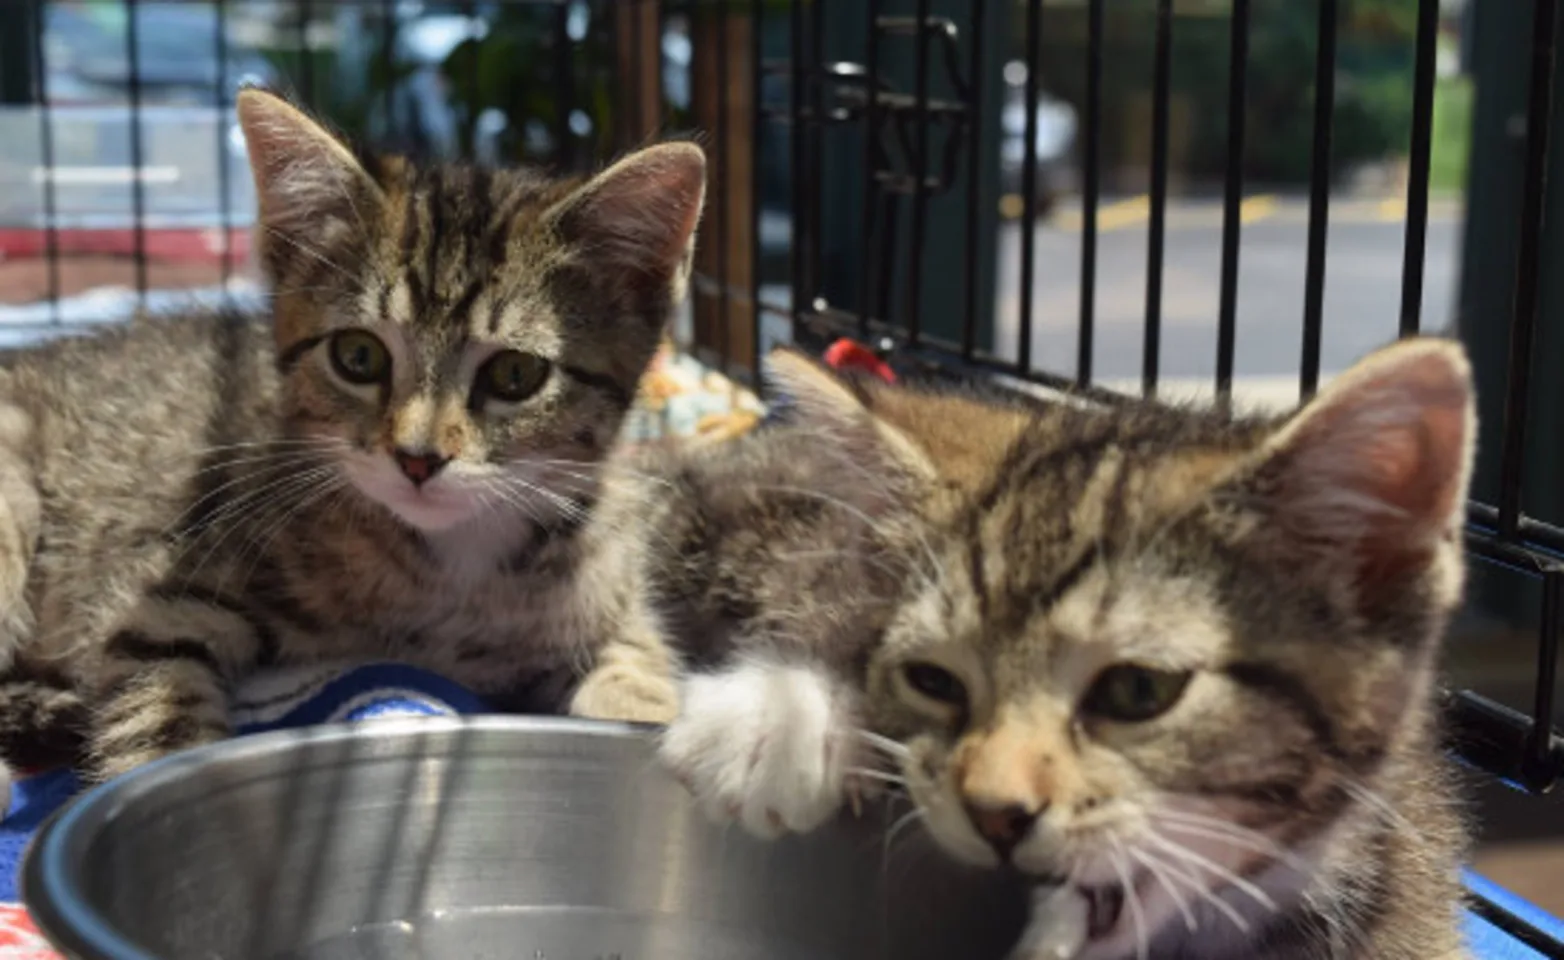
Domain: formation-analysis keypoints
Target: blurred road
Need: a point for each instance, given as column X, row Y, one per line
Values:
column 1362, row 289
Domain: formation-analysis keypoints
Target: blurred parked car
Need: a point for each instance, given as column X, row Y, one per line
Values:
column 188, row 143
column 1055, row 137
column 88, row 61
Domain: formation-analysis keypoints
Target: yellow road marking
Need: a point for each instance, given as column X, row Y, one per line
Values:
column 1133, row 211
column 1124, row 213
column 1257, row 207
column 1110, row 216
column 1392, row 209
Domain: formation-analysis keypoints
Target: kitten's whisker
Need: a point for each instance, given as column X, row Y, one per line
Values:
column 289, row 463
column 519, row 500
column 1132, row 898
column 1193, row 882
column 1177, row 849
column 915, row 815
column 279, row 459
column 564, row 505
column 243, row 499
column 317, row 256
column 258, row 502
column 283, row 442
column 330, row 489
column 1366, row 796
column 879, row 775
column 1256, row 842
column 252, row 506
column 607, row 469
column 278, row 290
column 883, row 743
column 1267, row 848
column 1178, row 898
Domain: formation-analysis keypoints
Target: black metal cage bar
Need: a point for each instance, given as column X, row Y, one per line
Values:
column 1156, row 227
column 1523, row 326
column 920, row 175
column 1034, row 28
column 1232, row 210
column 1090, row 193
column 51, row 227
column 757, row 10
column 724, row 194
column 220, row 100
column 1417, row 180
column 1319, row 199
column 977, row 24
column 138, row 167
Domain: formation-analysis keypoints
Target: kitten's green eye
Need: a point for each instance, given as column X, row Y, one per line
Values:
column 936, row 683
column 511, row 376
column 358, row 356
column 1131, row 693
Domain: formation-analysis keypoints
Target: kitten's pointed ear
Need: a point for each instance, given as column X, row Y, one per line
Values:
column 640, row 214
column 815, row 390
column 1374, row 471
column 305, row 178
column 838, row 404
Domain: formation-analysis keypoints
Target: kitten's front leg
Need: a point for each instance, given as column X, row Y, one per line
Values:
column 163, row 681
column 768, row 744
column 632, row 679
column 627, row 688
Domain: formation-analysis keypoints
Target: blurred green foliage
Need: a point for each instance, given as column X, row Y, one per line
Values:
column 1374, row 69
column 516, row 69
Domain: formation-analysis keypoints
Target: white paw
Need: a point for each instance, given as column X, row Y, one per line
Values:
column 767, row 745
column 1058, row 927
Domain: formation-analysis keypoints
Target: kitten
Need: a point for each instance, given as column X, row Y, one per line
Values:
column 1178, row 668
column 395, row 463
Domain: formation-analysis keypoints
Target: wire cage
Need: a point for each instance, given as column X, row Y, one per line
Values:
column 879, row 170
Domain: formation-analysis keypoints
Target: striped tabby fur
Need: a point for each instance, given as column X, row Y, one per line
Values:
column 1178, row 668
column 183, row 500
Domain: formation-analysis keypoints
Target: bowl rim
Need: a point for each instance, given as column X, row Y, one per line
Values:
column 45, row 880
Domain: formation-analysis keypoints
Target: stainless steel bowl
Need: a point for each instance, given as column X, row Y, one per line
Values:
column 505, row 838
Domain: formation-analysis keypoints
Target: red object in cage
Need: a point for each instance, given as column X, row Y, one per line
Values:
column 847, row 354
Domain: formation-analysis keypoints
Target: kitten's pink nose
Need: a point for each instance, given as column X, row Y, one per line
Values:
column 1004, row 827
column 419, row 467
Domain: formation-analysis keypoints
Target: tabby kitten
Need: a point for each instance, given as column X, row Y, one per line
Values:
column 395, row 463
column 1176, row 668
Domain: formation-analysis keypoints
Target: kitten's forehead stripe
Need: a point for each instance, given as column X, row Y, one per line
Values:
column 434, row 202
column 461, row 311
column 976, row 564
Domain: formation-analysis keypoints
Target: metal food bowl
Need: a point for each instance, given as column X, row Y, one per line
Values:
column 504, row 838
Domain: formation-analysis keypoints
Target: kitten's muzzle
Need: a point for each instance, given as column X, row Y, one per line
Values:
column 419, row 467
column 1003, row 826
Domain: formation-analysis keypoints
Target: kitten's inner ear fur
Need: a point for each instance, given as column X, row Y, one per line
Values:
column 1375, row 470
column 306, row 181
column 639, row 214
